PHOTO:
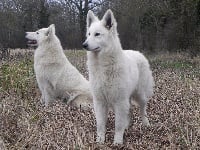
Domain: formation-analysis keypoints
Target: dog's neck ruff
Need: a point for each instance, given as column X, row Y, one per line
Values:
column 52, row 44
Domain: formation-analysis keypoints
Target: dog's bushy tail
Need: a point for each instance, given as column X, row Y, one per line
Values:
column 146, row 82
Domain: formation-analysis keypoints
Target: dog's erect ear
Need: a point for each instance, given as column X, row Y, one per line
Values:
column 51, row 30
column 90, row 18
column 109, row 19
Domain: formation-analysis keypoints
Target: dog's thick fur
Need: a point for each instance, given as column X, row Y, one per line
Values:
column 56, row 76
column 116, row 76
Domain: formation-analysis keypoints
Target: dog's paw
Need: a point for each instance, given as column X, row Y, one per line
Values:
column 72, row 97
column 145, row 121
column 42, row 100
column 46, row 104
column 118, row 139
column 100, row 139
column 117, row 142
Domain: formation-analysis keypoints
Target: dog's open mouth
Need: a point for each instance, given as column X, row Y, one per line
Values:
column 96, row 49
column 31, row 42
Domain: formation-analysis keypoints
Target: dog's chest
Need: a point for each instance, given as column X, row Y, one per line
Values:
column 45, row 66
column 107, row 73
column 106, row 80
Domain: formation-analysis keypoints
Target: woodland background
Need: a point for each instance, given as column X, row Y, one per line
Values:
column 149, row 25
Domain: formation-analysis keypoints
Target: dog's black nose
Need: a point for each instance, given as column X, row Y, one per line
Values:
column 85, row 45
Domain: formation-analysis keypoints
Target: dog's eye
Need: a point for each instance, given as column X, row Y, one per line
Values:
column 37, row 32
column 97, row 34
column 89, row 34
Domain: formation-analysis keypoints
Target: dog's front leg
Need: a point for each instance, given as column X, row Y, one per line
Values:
column 49, row 96
column 121, row 121
column 101, row 111
column 41, row 87
column 42, row 99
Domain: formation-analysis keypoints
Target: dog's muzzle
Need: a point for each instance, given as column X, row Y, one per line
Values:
column 31, row 42
column 85, row 45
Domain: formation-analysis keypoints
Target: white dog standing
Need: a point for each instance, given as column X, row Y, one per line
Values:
column 116, row 76
column 56, row 76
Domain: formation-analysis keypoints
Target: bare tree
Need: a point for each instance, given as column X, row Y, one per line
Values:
column 43, row 14
column 82, row 7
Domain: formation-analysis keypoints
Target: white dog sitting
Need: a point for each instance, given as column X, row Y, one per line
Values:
column 56, row 76
column 116, row 76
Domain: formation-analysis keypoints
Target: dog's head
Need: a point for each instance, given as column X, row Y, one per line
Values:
column 40, row 36
column 99, row 32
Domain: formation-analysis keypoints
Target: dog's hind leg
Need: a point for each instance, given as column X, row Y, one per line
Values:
column 142, row 101
column 101, row 112
column 72, row 96
column 121, row 120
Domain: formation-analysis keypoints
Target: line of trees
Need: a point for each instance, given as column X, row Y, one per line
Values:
column 142, row 24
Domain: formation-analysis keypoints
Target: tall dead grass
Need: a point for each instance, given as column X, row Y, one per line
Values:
column 174, row 110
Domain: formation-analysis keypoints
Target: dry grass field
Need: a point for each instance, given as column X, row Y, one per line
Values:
column 174, row 110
